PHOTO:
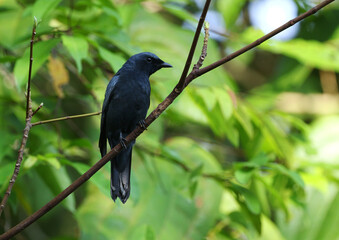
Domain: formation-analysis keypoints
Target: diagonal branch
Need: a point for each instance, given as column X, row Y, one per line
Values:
column 264, row 38
column 37, row 110
column 138, row 130
column 29, row 114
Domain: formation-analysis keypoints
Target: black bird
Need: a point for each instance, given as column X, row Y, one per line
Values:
column 126, row 103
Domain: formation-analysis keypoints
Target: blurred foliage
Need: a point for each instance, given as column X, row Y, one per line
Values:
column 223, row 162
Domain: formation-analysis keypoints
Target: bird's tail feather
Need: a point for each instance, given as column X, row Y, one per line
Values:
column 120, row 175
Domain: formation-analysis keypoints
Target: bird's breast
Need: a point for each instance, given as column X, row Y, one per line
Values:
column 134, row 97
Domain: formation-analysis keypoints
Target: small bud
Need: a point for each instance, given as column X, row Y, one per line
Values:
column 35, row 22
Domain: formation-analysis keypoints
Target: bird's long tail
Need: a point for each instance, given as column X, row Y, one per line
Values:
column 120, row 174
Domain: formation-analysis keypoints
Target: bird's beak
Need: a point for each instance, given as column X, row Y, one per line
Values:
column 165, row 65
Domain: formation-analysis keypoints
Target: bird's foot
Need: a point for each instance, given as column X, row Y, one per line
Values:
column 123, row 141
column 142, row 124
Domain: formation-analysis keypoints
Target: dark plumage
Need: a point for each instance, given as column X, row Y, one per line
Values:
column 126, row 103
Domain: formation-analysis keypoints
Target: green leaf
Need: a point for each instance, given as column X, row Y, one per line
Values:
column 197, row 171
column 224, row 100
column 77, row 47
column 251, row 200
column 99, row 179
column 244, row 175
column 149, row 233
column 57, row 180
column 193, row 188
column 309, row 52
column 230, row 10
column 115, row 60
column 30, row 161
column 180, row 12
column 50, row 159
column 5, row 172
column 261, row 159
column 41, row 8
column 206, row 99
column 294, row 176
column 243, row 119
column 270, row 230
column 41, row 51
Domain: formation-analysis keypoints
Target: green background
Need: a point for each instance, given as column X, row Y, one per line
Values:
column 247, row 151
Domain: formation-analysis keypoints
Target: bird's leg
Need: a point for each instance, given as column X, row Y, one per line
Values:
column 123, row 141
column 142, row 124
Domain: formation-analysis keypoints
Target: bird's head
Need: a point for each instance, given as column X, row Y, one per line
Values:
column 148, row 62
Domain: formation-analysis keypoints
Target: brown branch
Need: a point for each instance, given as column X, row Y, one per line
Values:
column 27, row 128
column 66, row 118
column 28, row 97
column 138, row 130
column 36, row 110
column 264, row 38
column 180, row 86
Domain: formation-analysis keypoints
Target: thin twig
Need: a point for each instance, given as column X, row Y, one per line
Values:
column 29, row 114
column 131, row 137
column 40, row 106
column 28, row 97
column 204, row 48
column 66, row 118
column 180, row 85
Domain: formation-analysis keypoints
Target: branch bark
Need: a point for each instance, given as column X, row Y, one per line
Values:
column 264, row 38
column 66, row 118
column 204, row 48
column 151, row 118
column 29, row 114
column 37, row 110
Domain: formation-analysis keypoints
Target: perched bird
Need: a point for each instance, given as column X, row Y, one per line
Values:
column 126, row 103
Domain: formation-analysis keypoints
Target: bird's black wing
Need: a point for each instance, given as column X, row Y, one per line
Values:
column 108, row 96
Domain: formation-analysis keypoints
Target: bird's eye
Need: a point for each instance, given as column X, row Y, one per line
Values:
column 149, row 59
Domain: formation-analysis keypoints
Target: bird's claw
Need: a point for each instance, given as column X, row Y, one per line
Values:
column 123, row 141
column 142, row 124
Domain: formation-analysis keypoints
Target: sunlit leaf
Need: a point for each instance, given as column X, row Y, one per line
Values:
column 289, row 173
column 59, row 75
column 114, row 60
column 43, row 7
column 179, row 12
column 50, row 159
column 251, row 200
column 41, row 52
column 77, row 47
column 230, row 10
column 30, row 161
column 310, row 52
column 243, row 176
column 224, row 101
